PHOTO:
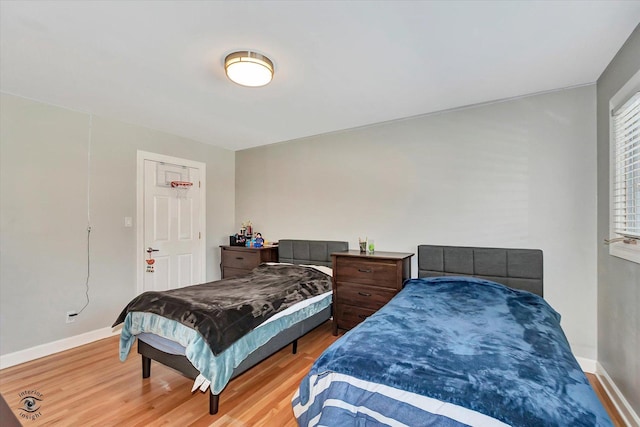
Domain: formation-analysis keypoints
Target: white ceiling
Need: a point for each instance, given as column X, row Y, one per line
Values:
column 338, row 64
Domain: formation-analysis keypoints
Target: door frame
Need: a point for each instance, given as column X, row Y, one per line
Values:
column 140, row 246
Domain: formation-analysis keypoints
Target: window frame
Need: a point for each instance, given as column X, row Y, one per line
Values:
column 620, row 249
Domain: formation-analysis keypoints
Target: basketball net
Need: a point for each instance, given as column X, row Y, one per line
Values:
column 181, row 187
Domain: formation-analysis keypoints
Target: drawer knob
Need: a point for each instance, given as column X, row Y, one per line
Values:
column 239, row 257
column 364, row 294
column 365, row 270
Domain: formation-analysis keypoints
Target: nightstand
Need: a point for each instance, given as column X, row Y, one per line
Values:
column 239, row 260
column 363, row 283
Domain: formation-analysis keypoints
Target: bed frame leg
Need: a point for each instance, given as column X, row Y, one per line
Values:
column 214, row 399
column 146, row 367
column 294, row 350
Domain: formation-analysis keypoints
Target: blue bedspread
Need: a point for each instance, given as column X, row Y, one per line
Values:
column 467, row 342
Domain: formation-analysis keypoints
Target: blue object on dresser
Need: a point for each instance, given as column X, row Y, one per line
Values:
column 452, row 351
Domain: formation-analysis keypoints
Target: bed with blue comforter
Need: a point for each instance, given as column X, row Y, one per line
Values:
column 451, row 351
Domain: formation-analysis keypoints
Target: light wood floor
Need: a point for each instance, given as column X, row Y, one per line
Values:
column 89, row 386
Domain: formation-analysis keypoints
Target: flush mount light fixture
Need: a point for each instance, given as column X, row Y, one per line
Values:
column 248, row 68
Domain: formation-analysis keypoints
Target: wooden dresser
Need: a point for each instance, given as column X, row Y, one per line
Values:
column 362, row 283
column 239, row 260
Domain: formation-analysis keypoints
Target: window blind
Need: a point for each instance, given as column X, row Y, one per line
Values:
column 626, row 183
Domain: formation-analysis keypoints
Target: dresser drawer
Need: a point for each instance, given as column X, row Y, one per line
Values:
column 240, row 259
column 233, row 272
column 372, row 297
column 349, row 316
column 369, row 272
column 363, row 283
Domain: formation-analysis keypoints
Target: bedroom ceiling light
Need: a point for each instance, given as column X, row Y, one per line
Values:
column 248, row 68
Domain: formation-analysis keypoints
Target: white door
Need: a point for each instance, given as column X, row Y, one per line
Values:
column 172, row 226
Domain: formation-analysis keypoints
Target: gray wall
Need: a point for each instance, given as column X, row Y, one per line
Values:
column 618, row 279
column 520, row 173
column 43, row 217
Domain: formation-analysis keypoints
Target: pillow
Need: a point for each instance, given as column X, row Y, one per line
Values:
column 321, row 268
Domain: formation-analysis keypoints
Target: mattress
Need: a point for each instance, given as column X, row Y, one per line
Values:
column 170, row 346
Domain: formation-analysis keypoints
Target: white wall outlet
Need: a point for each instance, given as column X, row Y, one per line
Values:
column 128, row 221
column 71, row 316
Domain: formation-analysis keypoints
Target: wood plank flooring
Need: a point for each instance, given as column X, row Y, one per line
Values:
column 606, row 401
column 89, row 386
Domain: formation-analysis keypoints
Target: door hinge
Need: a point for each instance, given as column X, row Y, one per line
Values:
column 199, row 235
column 199, row 184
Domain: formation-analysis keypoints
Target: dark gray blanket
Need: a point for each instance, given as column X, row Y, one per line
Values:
column 225, row 310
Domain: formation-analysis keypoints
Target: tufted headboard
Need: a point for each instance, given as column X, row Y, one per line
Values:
column 316, row 252
column 515, row 268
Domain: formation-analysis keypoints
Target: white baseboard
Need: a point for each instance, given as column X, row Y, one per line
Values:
column 622, row 405
column 587, row 365
column 26, row 355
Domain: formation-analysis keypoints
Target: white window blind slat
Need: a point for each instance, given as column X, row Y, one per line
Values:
column 627, row 140
column 624, row 108
column 626, row 164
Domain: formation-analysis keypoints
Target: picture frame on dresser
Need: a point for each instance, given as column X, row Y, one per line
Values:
column 364, row 282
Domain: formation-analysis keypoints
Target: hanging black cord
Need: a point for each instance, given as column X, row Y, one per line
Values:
column 86, row 284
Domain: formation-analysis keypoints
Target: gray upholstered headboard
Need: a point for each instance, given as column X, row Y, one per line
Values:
column 316, row 252
column 515, row 268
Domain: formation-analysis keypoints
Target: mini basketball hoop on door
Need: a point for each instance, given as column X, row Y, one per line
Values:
column 182, row 187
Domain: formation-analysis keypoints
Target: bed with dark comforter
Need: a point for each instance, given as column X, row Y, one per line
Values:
column 215, row 331
column 226, row 310
column 452, row 351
